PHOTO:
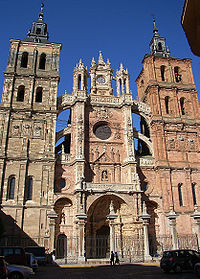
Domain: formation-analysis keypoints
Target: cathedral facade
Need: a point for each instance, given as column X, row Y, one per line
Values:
column 99, row 185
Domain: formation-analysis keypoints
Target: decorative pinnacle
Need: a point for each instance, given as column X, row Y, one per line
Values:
column 155, row 29
column 100, row 61
column 108, row 63
column 93, row 63
column 121, row 67
column 80, row 62
column 41, row 11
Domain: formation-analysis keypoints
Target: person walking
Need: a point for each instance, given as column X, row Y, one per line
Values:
column 116, row 258
column 112, row 258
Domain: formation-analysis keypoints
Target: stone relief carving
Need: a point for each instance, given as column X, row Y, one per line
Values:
column 26, row 129
column 103, row 113
column 191, row 144
column 104, row 175
column 16, row 130
column 37, row 131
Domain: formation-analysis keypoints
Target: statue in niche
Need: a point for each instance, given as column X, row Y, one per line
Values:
column 92, row 154
column 118, row 156
column 62, row 218
column 112, row 153
column 104, row 175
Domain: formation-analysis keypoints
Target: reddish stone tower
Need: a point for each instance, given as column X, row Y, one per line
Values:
column 166, row 84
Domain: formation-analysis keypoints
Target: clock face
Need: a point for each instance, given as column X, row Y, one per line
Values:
column 101, row 80
column 102, row 131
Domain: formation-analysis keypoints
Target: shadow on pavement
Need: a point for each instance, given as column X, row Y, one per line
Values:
column 129, row 271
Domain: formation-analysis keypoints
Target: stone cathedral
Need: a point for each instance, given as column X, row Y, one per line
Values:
column 99, row 185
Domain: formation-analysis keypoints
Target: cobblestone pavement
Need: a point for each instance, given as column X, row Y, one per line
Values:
column 134, row 271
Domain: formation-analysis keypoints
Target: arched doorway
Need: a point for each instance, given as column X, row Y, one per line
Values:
column 63, row 228
column 61, row 246
column 97, row 227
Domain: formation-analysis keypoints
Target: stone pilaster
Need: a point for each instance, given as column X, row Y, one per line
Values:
column 145, row 218
column 172, row 223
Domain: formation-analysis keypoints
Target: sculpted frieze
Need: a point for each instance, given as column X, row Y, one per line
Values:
column 103, row 113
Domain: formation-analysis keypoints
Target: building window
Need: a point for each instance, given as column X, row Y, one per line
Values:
column 159, row 46
column 38, row 97
column 180, row 195
column 62, row 183
column 177, row 74
column 162, row 71
column 38, row 31
column 144, row 186
column 79, row 82
column 194, row 194
column 20, row 93
column 167, row 104
column 42, row 63
column 182, row 103
column 11, row 188
column 24, row 60
column 29, row 188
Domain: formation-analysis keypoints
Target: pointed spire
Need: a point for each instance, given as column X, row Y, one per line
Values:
column 100, row 61
column 121, row 67
column 80, row 62
column 41, row 14
column 108, row 63
column 155, row 29
column 93, row 63
column 38, row 33
column 158, row 45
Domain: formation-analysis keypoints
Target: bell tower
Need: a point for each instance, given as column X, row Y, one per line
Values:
column 166, row 84
column 28, row 113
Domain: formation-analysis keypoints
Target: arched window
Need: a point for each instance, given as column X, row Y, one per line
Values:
column 167, row 104
column 120, row 86
column 29, row 188
column 159, row 46
column 42, row 63
column 62, row 183
column 11, row 188
column 177, row 74
column 38, row 97
column 144, row 186
column 180, row 195
column 20, row 93
column 24, row 60
column 162, row 71
column 79, row 82
column 182, row 103
column 194, row 194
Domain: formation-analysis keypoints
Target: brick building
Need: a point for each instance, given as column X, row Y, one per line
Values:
column 99, row 184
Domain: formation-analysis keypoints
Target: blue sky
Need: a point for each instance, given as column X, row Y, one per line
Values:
column 122, row 30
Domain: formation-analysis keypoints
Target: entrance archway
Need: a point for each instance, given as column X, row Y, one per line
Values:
column 61, row 246
column 98, row 229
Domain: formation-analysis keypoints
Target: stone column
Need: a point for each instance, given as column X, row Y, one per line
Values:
column 172, row 223
column 145, row 218
column 81, row 224
column 196, row 217
column 52, row 217
column 111, row 217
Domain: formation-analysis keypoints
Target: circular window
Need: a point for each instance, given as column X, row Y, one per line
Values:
column 102, row 131
column 62, row 183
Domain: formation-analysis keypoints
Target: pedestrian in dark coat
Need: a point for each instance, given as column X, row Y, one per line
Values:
column 116, row 258
column 112, row 258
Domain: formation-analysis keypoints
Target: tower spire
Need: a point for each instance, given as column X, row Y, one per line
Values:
column 41, row 14
column 38, row 33
column 158, row 45
column 155, row 29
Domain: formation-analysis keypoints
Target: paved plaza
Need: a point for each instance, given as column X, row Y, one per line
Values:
column 131, row 271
